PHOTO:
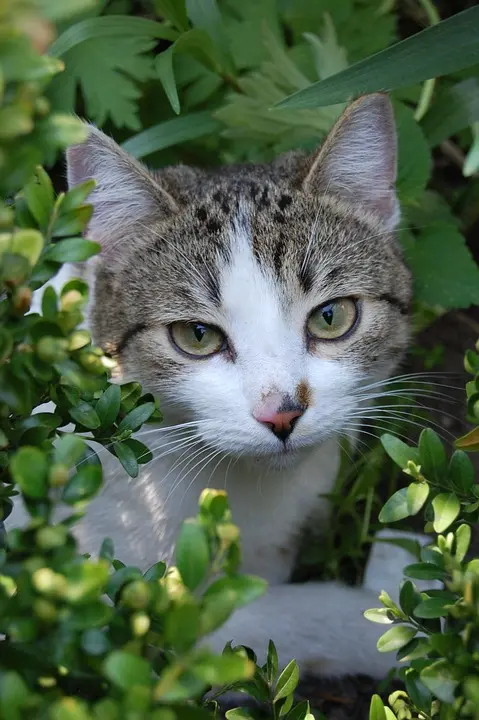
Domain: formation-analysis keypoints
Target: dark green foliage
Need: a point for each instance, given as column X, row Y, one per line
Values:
column 66, row 652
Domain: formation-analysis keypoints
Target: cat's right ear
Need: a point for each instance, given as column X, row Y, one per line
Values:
column 125, row 193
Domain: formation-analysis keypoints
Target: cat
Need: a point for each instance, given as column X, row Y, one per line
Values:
column 259, row 303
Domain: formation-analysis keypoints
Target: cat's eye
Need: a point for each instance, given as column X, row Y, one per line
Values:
column 197, row 339
column 333, row 319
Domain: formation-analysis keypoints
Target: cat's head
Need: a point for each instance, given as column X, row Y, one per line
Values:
column 258, row 301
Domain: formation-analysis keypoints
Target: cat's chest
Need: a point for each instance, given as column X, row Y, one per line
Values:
column 143, row 516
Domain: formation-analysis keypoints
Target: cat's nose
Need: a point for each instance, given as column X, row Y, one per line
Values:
column 282, row 420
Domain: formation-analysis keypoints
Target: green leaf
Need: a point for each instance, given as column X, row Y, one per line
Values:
column 432, row 455
column 444, row 270
column 463, row 540
column 287, row 681
column 376, row 709
column 126, row 670
column 182, row 626
column 109, row 26
column 461, row 471
column 446, row 508
column 399, row 451
column 77, row 195
column 301, row 711
column 85, row 415
column 95, row 642
column 127, row 457
column 417, row 494
column 6, row 344
column 409, row 597
column 174, row 11
column 84, row 485
column 453, row 109
column 417, row 648
column 110, row 90
column 424, row 571
column 69, row 449
column 408, row 62
column 172, row 132
column 433, row 607
column 107, row 550
column 418, row 693
column 192, row 554
column 40, row 197
column 271, row 662
column 108, row 405
column 13, row 694
column 136, row 417
column 396, row 507
column 223, row 669
column 142, row 453
column 164, row 69
column 395, row 638
column 28, row 244
column 29, row 469
column 49, row 303
column 440, row 679
column 414, row 156
column 72, row 250
column 246, row 587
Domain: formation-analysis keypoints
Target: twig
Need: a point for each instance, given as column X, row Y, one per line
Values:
column 427, row 89
column 453, row 153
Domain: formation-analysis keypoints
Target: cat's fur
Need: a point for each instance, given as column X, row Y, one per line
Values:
column 251, row 249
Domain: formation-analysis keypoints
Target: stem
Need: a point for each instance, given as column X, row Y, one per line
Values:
column 427, row 90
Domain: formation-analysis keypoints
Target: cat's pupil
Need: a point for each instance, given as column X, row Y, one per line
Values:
column 199, row 332
column 328, row 314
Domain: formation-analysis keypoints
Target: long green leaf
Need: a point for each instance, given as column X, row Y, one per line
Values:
column 447, row 47
column 172, row 132
column 453, row 109
column 108, row 26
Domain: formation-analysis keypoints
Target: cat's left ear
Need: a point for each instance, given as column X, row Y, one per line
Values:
column 357, row 161
column 126, row 192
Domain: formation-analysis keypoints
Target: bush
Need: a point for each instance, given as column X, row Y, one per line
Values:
column 66, row 651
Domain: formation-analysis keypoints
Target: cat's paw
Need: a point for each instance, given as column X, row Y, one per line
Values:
column 384, row 569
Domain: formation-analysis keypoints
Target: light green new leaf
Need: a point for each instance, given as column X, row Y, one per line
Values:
column 395, row 638
column 416, row 497
column 192, row 554
column 376, row 709
column 287, row 681
column 396, row 507
column 463, row 540
column 446, row 508
column 444, row 270
column 410, row 61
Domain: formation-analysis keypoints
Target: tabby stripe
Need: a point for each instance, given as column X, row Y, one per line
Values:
column 402, row 307
column 128, row 335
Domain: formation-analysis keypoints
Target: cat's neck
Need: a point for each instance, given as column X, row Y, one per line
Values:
column 270, row 506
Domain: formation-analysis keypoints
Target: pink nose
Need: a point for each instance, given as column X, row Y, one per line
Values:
column 282, row 419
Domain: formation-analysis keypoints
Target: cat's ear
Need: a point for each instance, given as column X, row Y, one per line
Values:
column 125, row 193
column 357, row 161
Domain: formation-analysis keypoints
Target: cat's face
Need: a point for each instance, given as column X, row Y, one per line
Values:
column 258, row 302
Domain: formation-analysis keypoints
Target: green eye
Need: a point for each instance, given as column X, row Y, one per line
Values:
column 333, row 319
column 196, row 339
